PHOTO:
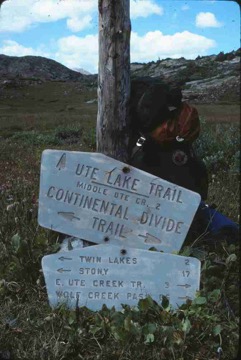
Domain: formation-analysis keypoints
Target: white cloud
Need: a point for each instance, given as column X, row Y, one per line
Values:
column 185, row 7
column 207, row 19
column 77, row 52
column 144, row 8
column 19, row 15
column 154, row 45
column 75, row 24
column 13, row 48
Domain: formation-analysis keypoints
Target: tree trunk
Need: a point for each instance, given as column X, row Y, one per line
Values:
column 114, row 78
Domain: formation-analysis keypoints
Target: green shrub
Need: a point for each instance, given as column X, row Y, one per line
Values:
column 218, row 145
column 35, row 138
column 71, row 134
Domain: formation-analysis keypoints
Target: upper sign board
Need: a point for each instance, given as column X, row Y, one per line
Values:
column 102, row 200
column 102, row 274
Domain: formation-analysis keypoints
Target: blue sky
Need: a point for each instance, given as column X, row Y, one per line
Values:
column 67, row 30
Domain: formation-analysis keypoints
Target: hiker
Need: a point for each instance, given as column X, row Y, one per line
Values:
column 164, row 129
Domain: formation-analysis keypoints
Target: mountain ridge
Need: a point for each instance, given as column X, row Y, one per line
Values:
column 211, row 78
column 38, row 67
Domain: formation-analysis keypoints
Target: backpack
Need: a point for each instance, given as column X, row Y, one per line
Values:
column 157, row 105
column 168, row 128
column 183, row 125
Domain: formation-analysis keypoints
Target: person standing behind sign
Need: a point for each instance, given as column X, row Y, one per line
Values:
column 166, row 128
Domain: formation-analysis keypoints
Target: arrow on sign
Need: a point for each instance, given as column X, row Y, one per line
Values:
column 63, row 270
column 62, row 258
column 62, row 162
column 68, row 215
column 185, row 285
column 150, row 239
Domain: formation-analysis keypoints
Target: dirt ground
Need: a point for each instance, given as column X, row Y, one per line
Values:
column 219, row 112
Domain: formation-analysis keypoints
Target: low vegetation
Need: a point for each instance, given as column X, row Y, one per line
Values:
column 206, row 328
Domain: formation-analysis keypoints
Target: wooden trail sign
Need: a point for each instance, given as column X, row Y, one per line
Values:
column 111, row 275
column 99, row 199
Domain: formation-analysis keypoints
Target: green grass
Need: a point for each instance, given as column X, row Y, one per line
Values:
column 44, row 107
column 30, row 329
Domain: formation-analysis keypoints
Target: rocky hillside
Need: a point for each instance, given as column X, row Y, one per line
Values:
column 36, row 67
column 207, row 79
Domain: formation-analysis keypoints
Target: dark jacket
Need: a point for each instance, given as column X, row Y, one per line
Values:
column 176, row 163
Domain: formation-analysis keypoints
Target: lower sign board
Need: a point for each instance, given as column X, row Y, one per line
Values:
column 110, row 275
column 99, row 199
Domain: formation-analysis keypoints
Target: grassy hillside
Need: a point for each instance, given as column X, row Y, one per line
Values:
column 57, row 116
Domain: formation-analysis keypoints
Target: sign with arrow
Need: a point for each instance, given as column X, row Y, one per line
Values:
column 185, row 285
column 111, row 275
column 102, row 200
column 63, row 258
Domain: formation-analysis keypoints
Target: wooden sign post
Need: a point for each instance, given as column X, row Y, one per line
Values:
column 104, row 200
column 114, row 79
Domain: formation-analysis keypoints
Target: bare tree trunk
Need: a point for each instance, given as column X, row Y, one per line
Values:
column 114, row 78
